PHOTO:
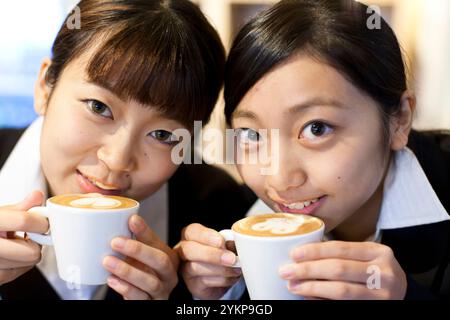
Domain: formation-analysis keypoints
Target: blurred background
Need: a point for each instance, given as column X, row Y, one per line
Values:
column 28, row 27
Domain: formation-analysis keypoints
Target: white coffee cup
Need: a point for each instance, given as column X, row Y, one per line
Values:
column 82, row 238
column 260, row 258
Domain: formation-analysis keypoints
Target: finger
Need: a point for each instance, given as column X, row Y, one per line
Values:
column 142, row 231
column 128, row 291
column 14, row 220
column 335, row 290
column 200, row 291
column 140, row 265
column 196, row 269
column 198, row 233
column 34, row 199
column 134, row 276
column 149, row 256
column 146, row 235
column 8, row 275
column 194, row 251
column 361, row 251
column 3, row 234
column 218, row 282
column 326, row 269
column 20, row 250
column 11, row 264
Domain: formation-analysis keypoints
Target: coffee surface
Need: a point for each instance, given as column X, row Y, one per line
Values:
column 94, row 201
column 277, row 225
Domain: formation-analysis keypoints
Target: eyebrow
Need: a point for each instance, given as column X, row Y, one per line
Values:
column 296, row 109
column 104, row 86
column 314, row 103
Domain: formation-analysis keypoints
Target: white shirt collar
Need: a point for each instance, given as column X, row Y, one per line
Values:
column 408, row 197
column 22, row 174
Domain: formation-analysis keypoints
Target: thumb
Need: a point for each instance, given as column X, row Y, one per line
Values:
column 34, row 199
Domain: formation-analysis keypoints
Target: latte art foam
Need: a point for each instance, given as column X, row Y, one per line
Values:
column 277, row 225
column 94, row 201
column 98, row 202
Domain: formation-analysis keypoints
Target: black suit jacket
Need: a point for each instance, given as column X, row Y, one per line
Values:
column 197, row 193
column 207, row 195
column 424, row 251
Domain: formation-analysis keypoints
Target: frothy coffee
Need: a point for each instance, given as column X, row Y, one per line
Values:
column 94, row 201
column 277, row 225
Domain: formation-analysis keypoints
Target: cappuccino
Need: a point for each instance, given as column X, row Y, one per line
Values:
column 263, row 245
column 277, row 225
column 94, row 201
column 81, row 229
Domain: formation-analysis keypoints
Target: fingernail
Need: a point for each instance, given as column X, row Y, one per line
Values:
column 228, row 258
column 118, row 243
column 294, row 285
column 215, row 241
column 110, row 263
column 286, row 271
column 237, row 271
column 113, row 281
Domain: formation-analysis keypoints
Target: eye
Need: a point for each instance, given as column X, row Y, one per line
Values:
column 316, row 129
column 99, row 108
column 164, row 137
column 247, row 137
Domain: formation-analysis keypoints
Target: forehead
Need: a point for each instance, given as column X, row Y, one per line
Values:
column 300, row 76
column 297, row 81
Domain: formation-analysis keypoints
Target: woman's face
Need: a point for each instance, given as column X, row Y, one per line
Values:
column 330, row 144
column 92, row 141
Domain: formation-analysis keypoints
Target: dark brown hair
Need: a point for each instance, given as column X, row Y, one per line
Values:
column 162, row 53
column 334, row 32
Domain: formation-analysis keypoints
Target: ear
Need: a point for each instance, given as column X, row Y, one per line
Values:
column 41, row 89
column 402, row 122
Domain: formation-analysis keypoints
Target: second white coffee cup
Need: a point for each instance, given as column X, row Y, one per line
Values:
column 261, row 257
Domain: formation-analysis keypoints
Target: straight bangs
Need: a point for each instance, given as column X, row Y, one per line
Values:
column 152, row 70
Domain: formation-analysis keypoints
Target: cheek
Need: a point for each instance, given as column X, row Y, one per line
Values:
column 64, row 145
column 67, row 137
column 352, row 176
column 251, row 175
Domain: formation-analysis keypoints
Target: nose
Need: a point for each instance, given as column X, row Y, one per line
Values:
column 117, row 151
column 290, row 175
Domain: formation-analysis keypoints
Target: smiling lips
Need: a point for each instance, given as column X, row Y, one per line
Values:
column 90, row 185
column 304, row 207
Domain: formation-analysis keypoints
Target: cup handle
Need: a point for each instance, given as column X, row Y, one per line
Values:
column 42, row 239
column 227, row 234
